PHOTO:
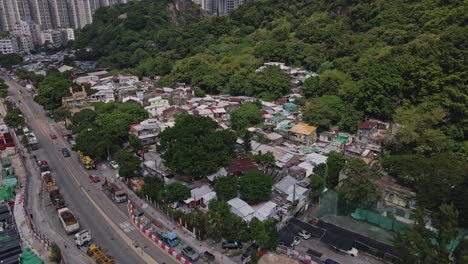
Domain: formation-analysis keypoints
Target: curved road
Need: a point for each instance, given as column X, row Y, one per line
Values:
column 94, row 210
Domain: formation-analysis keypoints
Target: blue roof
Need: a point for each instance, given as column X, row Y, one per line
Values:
column 171, row 235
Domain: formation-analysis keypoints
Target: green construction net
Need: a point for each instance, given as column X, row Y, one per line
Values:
column 6, row 193
column 378, row 220
column 6, row 162
column 10, row 182
column 28, row 257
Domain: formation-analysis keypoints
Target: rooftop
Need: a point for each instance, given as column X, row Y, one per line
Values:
column 303, row 128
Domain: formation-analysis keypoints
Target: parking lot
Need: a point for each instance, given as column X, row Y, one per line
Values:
column 327, row 251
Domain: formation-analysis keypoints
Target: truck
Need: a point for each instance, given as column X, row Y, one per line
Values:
column 57, row 200
column 69, row 222
column 83, row 238
column 87, row 161
column 48, row 181
column 29, row 88
column 99, row 255
column 114, row 192
column 43, row 165
column 171, row 239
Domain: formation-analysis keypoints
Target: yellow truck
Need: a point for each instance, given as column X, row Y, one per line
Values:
column 99, row 255
column 87, row 161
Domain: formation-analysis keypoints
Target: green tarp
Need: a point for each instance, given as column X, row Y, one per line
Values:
column 6, row 162
column 28, row 257
column 10, row 182
column 290, row 107
column 377, row 219
column 6, row 193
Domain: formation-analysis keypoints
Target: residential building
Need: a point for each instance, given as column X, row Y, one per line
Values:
column 303, row 133
column 158, row 101
column 147, row 131
column 104, row 94
column 241, row 165
column 227, row 6
column 9, row 14
column 126, row 79
column 9, row 45
column 52, row 37
column 22, row 32
column 201, row 196
column 242, row 209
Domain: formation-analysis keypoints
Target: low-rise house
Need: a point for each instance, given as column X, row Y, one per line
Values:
column 86, row 79
column 132, row 99
column 158, row 101
column 303, row 133
column 284, row 158
column 170, row 114
column 104, row 94
column 265, row 211
column 222, row 172
column 241, row 165
column 397, row 200
column 77, row 101
column 126, row 79
column 147, row 131
column 275, row 138
column 156, row 168
column 292, row 190
column 201, row 196
column 372, row 134
column 242, row 209
column 327, row 136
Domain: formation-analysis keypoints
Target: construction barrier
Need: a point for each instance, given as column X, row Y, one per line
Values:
column 153, row 238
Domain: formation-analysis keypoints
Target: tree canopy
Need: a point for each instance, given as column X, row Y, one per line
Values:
column 129, row 165
column 194, row 147
column 255, row 187
column 245, row 116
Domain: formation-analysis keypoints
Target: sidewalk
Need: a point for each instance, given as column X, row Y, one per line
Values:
column 199, row 246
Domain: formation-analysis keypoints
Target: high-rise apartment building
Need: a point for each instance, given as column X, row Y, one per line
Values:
column 9, row 14
column 9, row 45
column 219, row 7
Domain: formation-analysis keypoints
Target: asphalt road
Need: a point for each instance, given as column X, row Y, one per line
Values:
column 109, row 225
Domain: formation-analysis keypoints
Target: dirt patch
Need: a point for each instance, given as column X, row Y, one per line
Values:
column 271, row 258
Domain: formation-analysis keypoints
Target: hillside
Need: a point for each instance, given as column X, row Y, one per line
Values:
column 396, row 60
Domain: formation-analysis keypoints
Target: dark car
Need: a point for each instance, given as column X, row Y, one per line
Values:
column 210, row 257
column 330, row 261
column 65, row 152
column 248, row 252
column 231, row 245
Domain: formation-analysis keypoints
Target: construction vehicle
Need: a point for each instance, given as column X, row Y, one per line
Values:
column 69, row 222
column 57, row 199
column 48, row 181
column 99, row 255
column 87, row 161
column 114, row 192
column 82, row 238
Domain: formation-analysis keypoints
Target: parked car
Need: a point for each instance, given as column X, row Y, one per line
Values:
column 210, row 257
column 352, row 252
column 248, row 252
column 297, row 241
column 304, row 234
column 190, row 254
column 53, row 136
column 65, row 152
column 330, row 261
column 114, row 164
column 231, row 245
column 94, row 178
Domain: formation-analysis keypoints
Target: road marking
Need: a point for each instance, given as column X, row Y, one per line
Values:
column 126, row 227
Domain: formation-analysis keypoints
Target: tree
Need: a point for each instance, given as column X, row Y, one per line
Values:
column 83, row 120
column 134, row 142
column 62, row 114
column 335, row 163
column 247, row 141
column 195, row 148
column 267, row 160
column 330, row 110
column 153, row 187
column 9, row 60
column 3, row 89
column 129, row 165
column 51, row 90
column 420, row 245
column 255, row 187
column 317, row 183
column 263, row 233
column 55, row 254
column 226, row 188
column 245, row 116
column 358, row 189
column 271, row 83
column 175, row 192
column 14, row 118
column 223, row 223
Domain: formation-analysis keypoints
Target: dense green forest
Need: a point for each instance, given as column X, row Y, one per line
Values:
column 397, row 60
